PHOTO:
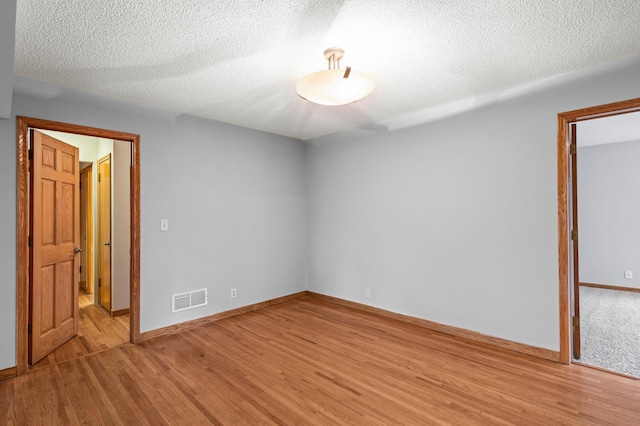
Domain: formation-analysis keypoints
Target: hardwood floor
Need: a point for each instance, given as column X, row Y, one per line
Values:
column 309, row 361
column 97, row 331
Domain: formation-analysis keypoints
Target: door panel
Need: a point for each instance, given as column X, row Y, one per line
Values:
column 104, row 232
column 69, row 227
column 54, row 231
column 48, row 294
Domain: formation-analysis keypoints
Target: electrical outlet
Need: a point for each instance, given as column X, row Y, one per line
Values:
column 367, row 293
column 628, row 275
column 234, row 293
column 164, row 225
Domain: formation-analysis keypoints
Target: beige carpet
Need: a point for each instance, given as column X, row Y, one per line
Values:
column 610, row 328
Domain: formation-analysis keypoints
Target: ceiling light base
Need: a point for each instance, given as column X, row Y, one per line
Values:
column 334, row 53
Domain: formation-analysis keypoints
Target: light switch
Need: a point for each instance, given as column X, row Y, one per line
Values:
column 164, row 224
column 628, row 275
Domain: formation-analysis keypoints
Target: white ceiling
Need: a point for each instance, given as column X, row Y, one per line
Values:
column 238, row 61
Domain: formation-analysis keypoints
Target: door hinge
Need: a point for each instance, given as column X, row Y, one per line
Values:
column 99, row 177
column 99, row 282
column 576, row 321
column 574, row 235
column 29, row 328
column 30, row 241
column 80, row 184
column 80, row 268
column 572, row 149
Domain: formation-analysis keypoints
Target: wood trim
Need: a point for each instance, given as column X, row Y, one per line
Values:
column 564, row 119
column 176, row 328
column 606, row 110
column 22, row 250
column 78, row 129
column 120, row 312
column 563, row 240
column 611, row 287
column 134, row 268
column 446, row 329
column 8, row 373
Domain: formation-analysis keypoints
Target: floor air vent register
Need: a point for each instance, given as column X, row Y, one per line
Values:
column 189, row 300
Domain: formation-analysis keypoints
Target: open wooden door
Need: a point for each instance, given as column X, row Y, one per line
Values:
column 104, row 232
column 55, row 242
column 574, row 239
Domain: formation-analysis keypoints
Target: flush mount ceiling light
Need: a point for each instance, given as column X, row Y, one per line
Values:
column 335, row 86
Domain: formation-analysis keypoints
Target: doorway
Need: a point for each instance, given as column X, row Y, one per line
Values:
column 568, row 221
column 96, row 328
column 608, row 207
column 23, row 191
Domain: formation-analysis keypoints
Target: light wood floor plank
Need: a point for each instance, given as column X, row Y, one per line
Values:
column 309, row 361
column 97, row 331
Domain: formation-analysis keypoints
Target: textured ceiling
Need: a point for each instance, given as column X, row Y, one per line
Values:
column 238, row 61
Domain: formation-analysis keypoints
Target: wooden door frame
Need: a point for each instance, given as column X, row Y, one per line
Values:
column 22, row 265
column 565, row 119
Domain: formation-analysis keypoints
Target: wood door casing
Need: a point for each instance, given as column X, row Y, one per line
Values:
column 104, row 232
column 54, row 231
column 564, row 209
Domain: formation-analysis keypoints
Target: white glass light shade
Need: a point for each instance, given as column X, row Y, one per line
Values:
column 330, row 87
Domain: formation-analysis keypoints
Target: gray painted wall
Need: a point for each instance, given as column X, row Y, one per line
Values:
column 235, row 199
column 454, row 221
column 609, row 213
column 7, row 51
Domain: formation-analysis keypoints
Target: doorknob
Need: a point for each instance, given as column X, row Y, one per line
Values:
column 77, row 250
column 108, row 243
